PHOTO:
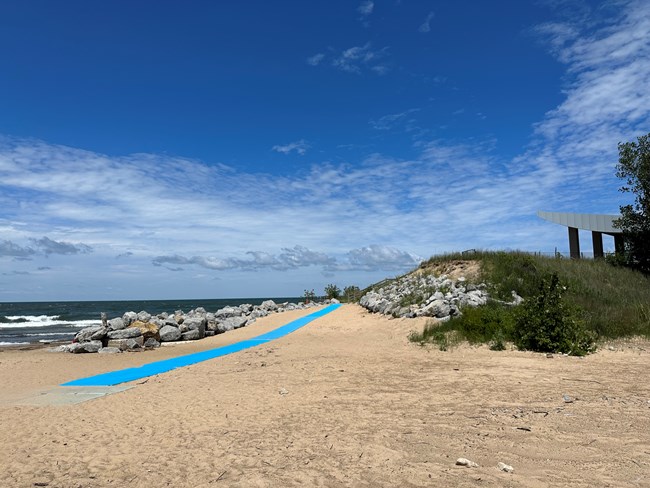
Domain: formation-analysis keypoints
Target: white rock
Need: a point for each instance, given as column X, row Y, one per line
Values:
column 466, row 462
column 505, row 467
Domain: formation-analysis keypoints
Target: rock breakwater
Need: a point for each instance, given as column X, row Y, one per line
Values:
column 139, row 331
column 423, row 294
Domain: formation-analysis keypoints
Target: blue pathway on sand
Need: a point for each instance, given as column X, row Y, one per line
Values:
column 158, row 367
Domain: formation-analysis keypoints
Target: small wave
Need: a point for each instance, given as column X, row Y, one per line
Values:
column 2, row 344
column 70, row 334
column 27, row 318
column 49, row 321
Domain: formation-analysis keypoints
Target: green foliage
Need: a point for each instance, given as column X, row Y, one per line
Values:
column 332, row 291
column 634, row 167
column 546, row 323
column 309, row 295
column 475, row 325
column 498, row 341
column 351, row 293
column 615, row 301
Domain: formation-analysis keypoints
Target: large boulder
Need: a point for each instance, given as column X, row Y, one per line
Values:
column 258, row 312
column 144, row 316
column 169, row 333
column 231, row 323
column 109, row 350
column 129, row 317
column 147, row 329
column 91, row 346
column 269, row 306
column 171, row 320
column 116, row 324
column 128, row 333
column 130, row 344
column 151, row 343
column 90, row 333
column 197, row 323
column 437, row 308
column 191, row 335
column 226, row 312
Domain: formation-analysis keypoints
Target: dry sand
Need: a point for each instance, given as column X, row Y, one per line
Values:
column 363, row 407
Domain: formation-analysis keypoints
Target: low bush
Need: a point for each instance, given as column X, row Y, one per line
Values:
column 546, row 323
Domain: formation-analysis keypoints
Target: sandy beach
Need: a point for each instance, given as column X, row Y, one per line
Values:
column 345, row 401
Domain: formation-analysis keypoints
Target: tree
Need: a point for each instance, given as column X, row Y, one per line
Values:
column 351, row 293
column 309, row 295
column 332, row 291
column 634, row 167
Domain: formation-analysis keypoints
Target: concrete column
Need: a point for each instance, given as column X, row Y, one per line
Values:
column 597, row 239
column 574, row 243
column 619, row 243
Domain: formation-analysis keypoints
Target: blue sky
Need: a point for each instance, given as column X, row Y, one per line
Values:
column 227, row 149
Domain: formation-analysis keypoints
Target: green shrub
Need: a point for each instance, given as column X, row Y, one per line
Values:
column 498, row 341
column 545, row 323
column 332, row 291
column 481, row 324
column 492, row 322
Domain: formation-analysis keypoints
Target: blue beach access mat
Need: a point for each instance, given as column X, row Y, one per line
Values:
column 158, row 367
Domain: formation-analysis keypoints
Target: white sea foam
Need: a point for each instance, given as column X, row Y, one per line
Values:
column 2, row 344
column 50, row 334
column 44, row 321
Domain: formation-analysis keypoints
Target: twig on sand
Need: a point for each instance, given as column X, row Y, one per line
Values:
column 221, row 476
column 578, row 379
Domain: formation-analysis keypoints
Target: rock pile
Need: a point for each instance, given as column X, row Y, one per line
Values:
column 421, row 294
column 136, row 331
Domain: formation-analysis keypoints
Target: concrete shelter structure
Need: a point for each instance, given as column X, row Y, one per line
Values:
column 598, row 224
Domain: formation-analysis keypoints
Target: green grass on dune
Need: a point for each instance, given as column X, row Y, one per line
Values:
column 613, row 302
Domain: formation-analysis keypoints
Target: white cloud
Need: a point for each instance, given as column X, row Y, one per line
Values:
column 426, row 25
column 299, row 147
column 354, row 59
column 387, row 122
column 448, row 195
column 289, row 258
column 366, row 7
column 48, row 246
column 315, row 59
column 8, row 248
column 384, row 258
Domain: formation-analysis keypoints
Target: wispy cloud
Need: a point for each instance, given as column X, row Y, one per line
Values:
column 43, row 245
column 366, row 7
column 8, row 248
column 356, row 58
column 387, row 122
column 289, row 258
column 376, row 257
column 299, row 147
column 369, row 259
column 426, row 25
column 49, row 246
column 315, row 59
column 445, row 195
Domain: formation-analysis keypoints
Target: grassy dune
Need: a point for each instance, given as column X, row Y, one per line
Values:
column 613, row 302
